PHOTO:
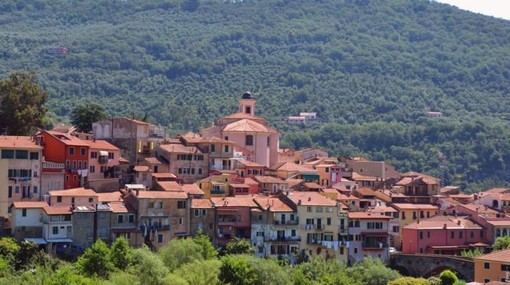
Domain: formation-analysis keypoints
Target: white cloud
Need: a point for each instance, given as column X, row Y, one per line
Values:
column 496, row 8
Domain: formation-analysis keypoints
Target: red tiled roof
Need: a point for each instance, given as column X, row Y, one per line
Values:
column 310, row 199
column 409, row 206
column 368, row 216
column 291, row 166
column 272, row 204
column 201, row 203
column 192, row 189
column 76, row 192
column 247, row 125
column 58, row 210
column 501, row 256
column 312, row 185
column 141, row 168
column 251, row 163
column 18, row 142
column 153, row 160
column 440, row 221
column 170, row 186
column 269, row 179
column 102, row 145
column 29, row 204
column 109, row 196
column 179, row 148
column 120, row 207
column 238, row 201
column 159, row 175
column 68, row 139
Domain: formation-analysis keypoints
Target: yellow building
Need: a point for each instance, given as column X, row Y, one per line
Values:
column 410, row 213
column 493, row 267
column 322, row 225
column 216, row 185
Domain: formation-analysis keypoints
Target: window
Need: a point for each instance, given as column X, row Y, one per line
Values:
column 472, row 235
column 505, row 267
column 55, row 230
column 422, row 215
column 213, row 148
column 181, row 204
column 93, row 154
column 421, row 235
column 403, row 215
column 75, row 178
column 72, row 200
column 67, row 177
column 111, row 155
column 120, row 219
column 68, row 164
column 226, row 148
column 83, row 151
column 414, row 215
column 328, row 221
column 200, row 171
column 486, row 265
column 131, row 218
column 181, row 221
column 249, row 139
column 34, row 155
column 92, row 169
column 197, row 212
column 59, row 199
column 309, row 209
column 9, row 195
column 481, row 234
column 74, row 164
column 71, row 151
column 204, row 212
column 318, row 209
column 460, row 234
column 7, row 153
column 24, row 212
column 22, row 154
column 268, row 141
column 226, row 138
column 452, row 235
column 16, row 189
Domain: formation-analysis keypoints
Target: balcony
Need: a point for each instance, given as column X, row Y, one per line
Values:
column 374, row 245
column 311, row 227
column 343, row 230
column 102, row 159
column 286, row 223
column 218, row 191
column 283, row 239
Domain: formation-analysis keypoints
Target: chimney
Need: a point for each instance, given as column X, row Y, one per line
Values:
column 445, row 226
column 299, row 202
column 458, row 222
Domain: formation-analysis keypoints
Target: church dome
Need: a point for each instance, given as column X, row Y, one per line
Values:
column 247, row 95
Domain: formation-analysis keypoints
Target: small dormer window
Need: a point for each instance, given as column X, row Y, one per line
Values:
column 248, row 110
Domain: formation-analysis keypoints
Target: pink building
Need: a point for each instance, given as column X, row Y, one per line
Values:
column 104, row 157
column 441, row 235
column 233, row 217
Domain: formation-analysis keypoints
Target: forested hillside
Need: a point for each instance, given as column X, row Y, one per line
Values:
column 370, row 69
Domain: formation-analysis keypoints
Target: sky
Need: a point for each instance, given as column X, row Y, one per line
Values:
column 496, row 8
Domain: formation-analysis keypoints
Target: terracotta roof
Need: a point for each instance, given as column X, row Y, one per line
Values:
column 291, row 166
column 160, row 195
column 170, row 186
column 440, row 221
column 310, row 199
column 500, row 256
column 248, row 125
column 356, row 176
column 365, row 191
column 238, row 201
column 201, row 203
column 58, row 210
column 312, row 185
column 68, row 139
column 480, row 209
column 368, row 216
column 120, row 207
column 141, row 168
column 239, row 185
column 272, row 204
column 102, row 145
column 18, row 142
column 192, row 189
column 179, row 148
column 330, row 190
column 250, row 181
column 241, row 115
column 293, row 182
column 153, row 160
column 409, row 206
column 269, row 179
column 250, row 163
column 159, row 175
column 497, row 190
column 501, row 222
column 76, row 192
column 109, row 196
column 29, row 204
column 384, row 209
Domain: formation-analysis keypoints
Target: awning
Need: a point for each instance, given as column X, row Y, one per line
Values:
column 60, row 240
column 36, row 240
column 103, row 153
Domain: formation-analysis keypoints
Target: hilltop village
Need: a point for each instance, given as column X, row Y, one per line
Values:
column 64, row 190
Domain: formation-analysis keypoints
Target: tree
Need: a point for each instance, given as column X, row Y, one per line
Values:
column 200, row 272
column 372, row 272
column 409, row 281
column 83, row 116
column 148, row 266
column 9, row 249
column 95, row 261
column 235, row 270
column 179, row 252
column 501, row 243
column 121, row 255
column 207, row 248
column 448, row 277
column 239, row 246
column 21, row 104
column 190, row 5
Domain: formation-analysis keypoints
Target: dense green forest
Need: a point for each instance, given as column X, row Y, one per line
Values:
column 190, row 262
column 370, row 69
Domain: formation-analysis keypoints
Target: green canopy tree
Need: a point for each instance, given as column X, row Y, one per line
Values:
column 447, row 277
column 207, row 248
column 179, row 252
column 501, row 243
column 21, row 104
column 95, row 261
column 83, row 116
column 121, row 255
column 239, row 246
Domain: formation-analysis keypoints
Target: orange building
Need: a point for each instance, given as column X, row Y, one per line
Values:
column 493, row 267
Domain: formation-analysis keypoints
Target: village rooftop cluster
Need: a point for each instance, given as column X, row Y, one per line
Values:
column 64, row 190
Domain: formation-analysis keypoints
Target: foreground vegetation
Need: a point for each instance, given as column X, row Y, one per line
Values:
column 370, row 69
column 187, row 262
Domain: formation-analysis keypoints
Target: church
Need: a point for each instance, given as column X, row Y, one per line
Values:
column 251, row 134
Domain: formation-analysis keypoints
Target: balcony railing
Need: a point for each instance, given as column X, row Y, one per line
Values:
column 155, row 213
column 283, row 238
column 310, row 227
column 288, row 223
column 375, row 245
